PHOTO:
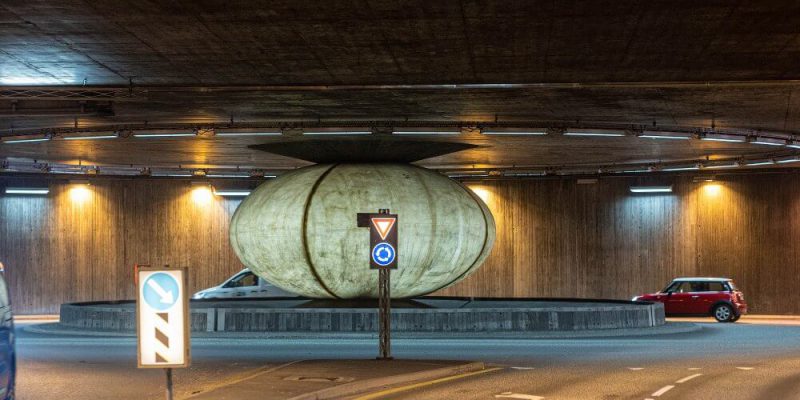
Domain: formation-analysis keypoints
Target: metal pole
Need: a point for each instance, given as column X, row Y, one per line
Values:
column 385, row 306
column 169, row 383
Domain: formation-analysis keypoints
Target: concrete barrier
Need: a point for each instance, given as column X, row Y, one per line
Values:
column 439, row 315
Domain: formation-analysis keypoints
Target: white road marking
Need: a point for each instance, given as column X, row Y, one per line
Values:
column 745, row 368
column 522, row 368
column 663, row 390
column 695, row 369
column 688, row 378
column 509, row 395
column 635, row 368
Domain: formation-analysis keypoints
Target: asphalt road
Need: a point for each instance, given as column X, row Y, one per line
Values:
column 722, row 361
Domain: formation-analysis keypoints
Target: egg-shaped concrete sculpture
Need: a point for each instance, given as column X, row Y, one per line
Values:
column 299, row 231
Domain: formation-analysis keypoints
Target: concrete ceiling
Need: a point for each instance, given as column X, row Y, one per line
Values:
column 684, row 65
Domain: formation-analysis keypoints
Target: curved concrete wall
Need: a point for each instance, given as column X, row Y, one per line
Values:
column 299, row 231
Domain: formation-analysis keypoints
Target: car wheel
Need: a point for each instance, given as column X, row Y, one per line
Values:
column 736, row 318
column 723, row 313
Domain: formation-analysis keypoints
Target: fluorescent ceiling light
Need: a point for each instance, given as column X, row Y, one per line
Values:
column 763, row 162
column 594, row 132
column 90, row 137
column 162, row 135
column 630, row 171
column 768, row 141
column 173, row 174
column 514, row 132
column 245, row 133
column 321, row 132
column 666, row 135
column 469, row 176
column 717, row 166
column 718, row 137
column 227, row 175
column 40, row 191
column 11, row 141
column 787, row 160
column 651, row 189
column 232, row 193
column 425, row 131
column 686, row 168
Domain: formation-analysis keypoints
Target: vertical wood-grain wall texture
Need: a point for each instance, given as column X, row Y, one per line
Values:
column 555, row 238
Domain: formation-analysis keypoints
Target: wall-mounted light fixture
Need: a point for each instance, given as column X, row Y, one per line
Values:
column 247, row 132
column 161, row 134
column 768, row 141
column 594, row 132
column 231, row 193
column 24, row 139
column 666, row 135
column 39, row 191
column 426, row 131
column 514, row 131
column 92, row 136
column 721, row 137
column 337, row 131
column 651, row 189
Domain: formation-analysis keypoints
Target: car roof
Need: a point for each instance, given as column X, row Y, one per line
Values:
column 703, row 279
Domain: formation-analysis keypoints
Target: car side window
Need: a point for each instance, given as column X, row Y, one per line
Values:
column 716, row 287
column 243, row 280
column 684, row 287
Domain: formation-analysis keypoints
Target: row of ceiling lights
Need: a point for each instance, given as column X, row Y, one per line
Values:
column 511, row 172
column 760, row 139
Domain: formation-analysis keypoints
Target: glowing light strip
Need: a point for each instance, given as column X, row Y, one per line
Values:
column 651, row 189
column 12, row 141
column 27, row 191
column 277, row 133
column 665, row 137
column 90, row 137
column 232, row 193
column 514, row 133
column 423, row 132
column 604, row 134
column 162, row 135
column 681, row 169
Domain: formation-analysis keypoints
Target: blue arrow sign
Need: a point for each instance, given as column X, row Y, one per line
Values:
column 383, row 254
column 161, row 291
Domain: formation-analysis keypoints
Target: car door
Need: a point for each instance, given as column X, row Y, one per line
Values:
column 700, row 298
column 677, row 300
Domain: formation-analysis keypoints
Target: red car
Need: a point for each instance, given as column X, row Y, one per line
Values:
column 717, row 297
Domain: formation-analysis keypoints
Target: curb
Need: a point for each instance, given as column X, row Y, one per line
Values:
column 667, row 329
column 353, row 388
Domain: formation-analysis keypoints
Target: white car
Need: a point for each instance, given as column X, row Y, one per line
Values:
column 243, row 284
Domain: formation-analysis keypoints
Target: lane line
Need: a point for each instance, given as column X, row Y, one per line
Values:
column 509, row 395
column 694, row 369
column 663, row 390
column 423, row 384
column 635, row 369
column 745, row 368
column 241, row 378
column 688, row 378
column 523, row 368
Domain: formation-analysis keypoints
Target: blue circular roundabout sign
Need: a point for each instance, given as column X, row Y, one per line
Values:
column 383, row 254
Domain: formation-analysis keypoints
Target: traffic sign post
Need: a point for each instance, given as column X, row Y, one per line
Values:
column 162, row 316
column 383, row 257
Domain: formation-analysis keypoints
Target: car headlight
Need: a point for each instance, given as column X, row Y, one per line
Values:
column 635, row 298
column 198, row 296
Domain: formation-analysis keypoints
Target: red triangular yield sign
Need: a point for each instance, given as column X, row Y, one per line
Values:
column 383, row 226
